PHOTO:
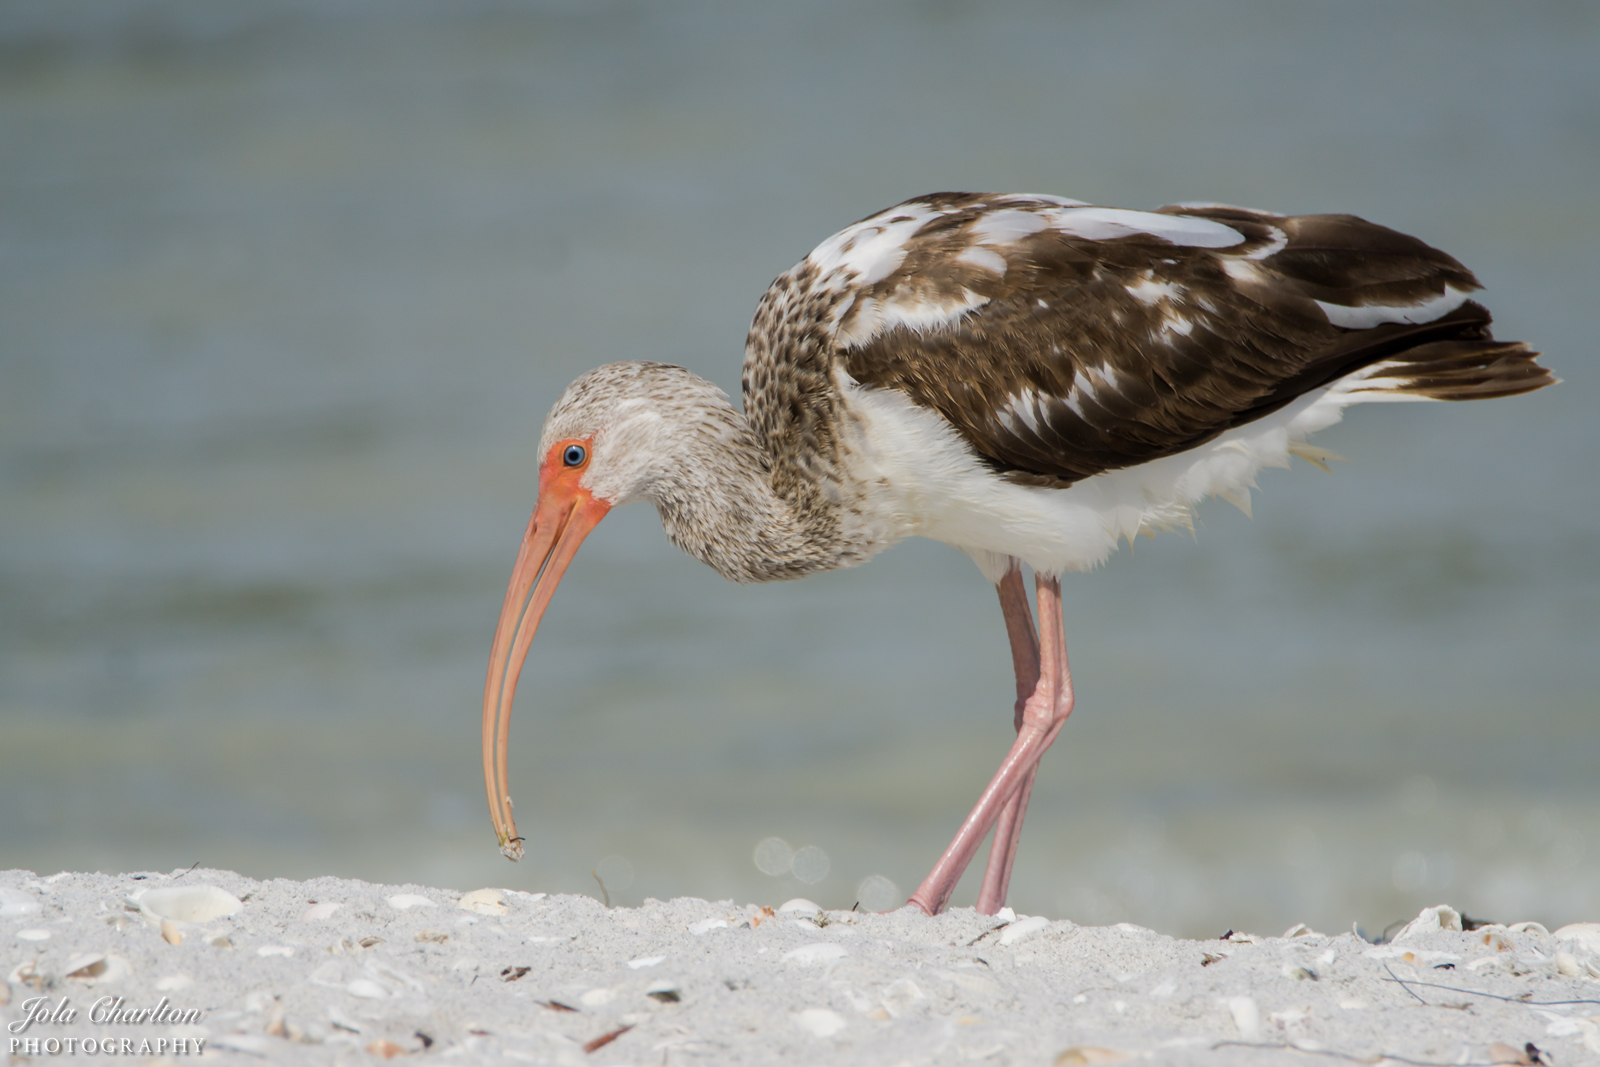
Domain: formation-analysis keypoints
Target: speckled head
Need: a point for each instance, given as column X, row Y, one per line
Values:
column 636, row 422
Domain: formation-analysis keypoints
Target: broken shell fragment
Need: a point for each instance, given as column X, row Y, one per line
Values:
column 1587, row 935
column 485, row 902
column 189, row 904
column 94, row 967
column 169, row 932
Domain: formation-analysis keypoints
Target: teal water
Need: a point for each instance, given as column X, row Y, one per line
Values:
column 286, row 290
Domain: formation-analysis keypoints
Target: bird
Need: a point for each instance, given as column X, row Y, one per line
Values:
column 1029, row 379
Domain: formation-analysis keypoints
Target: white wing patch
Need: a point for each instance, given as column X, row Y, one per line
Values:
column 872, row 249
column 1280, row 241
column 1110, row 223
column 1008, row 226
column 866, row 318
column 1362, row 318
column 987, row 258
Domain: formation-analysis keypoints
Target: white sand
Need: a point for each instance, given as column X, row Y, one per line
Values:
column 339, row 971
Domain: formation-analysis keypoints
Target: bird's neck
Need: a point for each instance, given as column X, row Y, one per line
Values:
column 760, row 510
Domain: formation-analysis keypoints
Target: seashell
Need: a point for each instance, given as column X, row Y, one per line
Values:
column 705, row 926
column 189, row 904
column 324, row 910
column 274, row 950
column 799, row 904
column 87, row 966
column 664, row 990
column 169, row 932
column 14, row 903
column 405, row 901
column 645, row 961
column 814, row 954
column 95, row 967
column 1022, row 928
column 1429, row 920
column 26, row 973
column 33, row 935
column 367, row 989
column 484, row 902
column 1587, row 935
column 819, row 1021
column 1246, row 1016
column 1300, row 930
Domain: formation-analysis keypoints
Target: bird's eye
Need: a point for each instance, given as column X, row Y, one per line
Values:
column 574, row 456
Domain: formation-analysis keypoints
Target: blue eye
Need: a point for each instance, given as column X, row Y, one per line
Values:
column 574, row 456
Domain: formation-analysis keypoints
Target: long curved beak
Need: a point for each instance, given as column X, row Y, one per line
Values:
column 563, row 518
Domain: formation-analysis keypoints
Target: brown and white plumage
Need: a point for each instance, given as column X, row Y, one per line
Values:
column 1026, row 378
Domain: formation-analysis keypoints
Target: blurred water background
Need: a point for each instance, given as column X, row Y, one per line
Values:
column 287, row 288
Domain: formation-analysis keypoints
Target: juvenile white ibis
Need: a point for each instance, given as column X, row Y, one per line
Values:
column 1026, row 378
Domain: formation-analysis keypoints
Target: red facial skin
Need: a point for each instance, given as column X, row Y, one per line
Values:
column 563, row 518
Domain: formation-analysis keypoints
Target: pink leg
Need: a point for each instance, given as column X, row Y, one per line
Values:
column 1025, row 663
column 1042, row 716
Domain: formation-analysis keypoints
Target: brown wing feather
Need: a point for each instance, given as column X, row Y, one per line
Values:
column 1087, row 355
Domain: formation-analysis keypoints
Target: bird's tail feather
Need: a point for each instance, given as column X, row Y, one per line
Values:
column 1453, row 370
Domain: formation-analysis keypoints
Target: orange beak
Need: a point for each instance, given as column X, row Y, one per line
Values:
column 565, row 515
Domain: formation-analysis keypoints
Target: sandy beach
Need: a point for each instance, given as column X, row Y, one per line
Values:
column 211, row 964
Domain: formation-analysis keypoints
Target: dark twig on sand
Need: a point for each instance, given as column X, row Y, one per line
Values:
column 1406, row 983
